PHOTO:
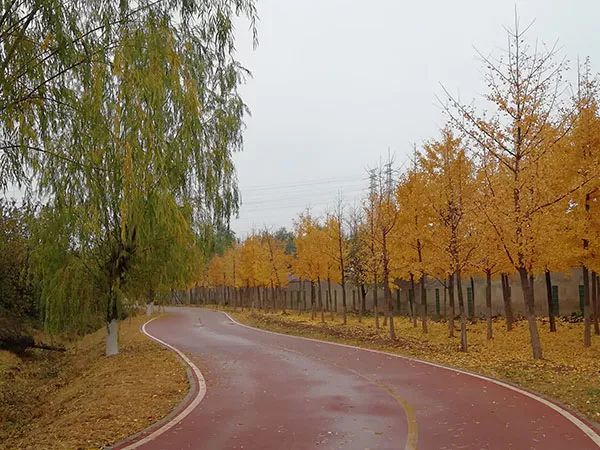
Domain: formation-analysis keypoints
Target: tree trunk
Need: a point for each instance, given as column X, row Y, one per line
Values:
column 549, row 299
column 587, row 323
column 364, row 298
column 595, row 303
column 321, row 300
column 362, row 302
column 472, row 311
column 423, row 304
column 488, row 302
column 112, row 312
column 313, row 313
column 344, row 305
column 445, row 303
column 330, row 297
column 507, row 298
column 451, row 305
column 529, row 303
column 411, row 300
column 112, row 337
column 463, row 315
column 390, row 309
column 387, row 293
column 375, row 305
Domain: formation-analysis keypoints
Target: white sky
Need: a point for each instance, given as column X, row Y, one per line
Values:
column 338, row 82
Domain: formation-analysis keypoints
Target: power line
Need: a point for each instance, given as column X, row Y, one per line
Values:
column 300, row 197
column 260, row 187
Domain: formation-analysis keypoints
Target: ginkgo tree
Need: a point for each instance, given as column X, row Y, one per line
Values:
column 309, row 263
column 451, row 190
column 382, row 216
column 278, row 264
column 336, row 249
column 488, row 258
column 412, row 237
column 250, row 254
column 358, row 256
column 584, row 149
column 525, row 131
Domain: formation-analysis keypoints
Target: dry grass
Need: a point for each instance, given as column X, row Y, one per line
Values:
column 569, row 372
column 81, row 399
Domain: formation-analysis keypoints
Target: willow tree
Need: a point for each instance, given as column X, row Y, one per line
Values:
column 42, row 42
column 171, row 260
column 46, row 46
column 524, row 131
column 150, row 139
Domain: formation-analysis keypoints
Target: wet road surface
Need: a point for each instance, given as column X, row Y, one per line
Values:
column 268, row 391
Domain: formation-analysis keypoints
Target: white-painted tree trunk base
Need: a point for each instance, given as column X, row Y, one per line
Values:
column 149, row 308
column 112, row 338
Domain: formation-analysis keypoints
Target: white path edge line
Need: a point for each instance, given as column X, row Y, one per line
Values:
column 578, row 423
column 195, row 402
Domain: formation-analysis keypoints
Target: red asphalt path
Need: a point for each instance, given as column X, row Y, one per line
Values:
column 268, row 391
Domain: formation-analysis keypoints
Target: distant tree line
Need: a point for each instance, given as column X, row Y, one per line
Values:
column 511, row 190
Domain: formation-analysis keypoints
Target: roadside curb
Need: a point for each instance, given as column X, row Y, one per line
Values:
column 586, row 428
column 192, row 399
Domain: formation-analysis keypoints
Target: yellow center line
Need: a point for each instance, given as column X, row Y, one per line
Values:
column 412, row 432
column 411, row 418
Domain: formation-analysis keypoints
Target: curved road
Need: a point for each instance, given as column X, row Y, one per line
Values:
column 268, row 391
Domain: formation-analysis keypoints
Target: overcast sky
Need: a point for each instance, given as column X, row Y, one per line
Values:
column 338, row 82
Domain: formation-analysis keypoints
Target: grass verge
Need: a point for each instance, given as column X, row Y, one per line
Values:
column 81, row 399
column 568, row 373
